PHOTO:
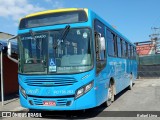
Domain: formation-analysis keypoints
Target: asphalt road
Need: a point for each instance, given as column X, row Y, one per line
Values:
column 140, row 102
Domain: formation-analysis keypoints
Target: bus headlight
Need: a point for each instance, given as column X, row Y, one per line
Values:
column 81, row 91
column 23, row 92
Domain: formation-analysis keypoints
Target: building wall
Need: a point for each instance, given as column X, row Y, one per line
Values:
column 10, row 69
column 10, row 74
column 146, row 49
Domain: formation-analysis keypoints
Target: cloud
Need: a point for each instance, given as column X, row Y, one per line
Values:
column 55, row 4
column 15, row 9
column 49, row 1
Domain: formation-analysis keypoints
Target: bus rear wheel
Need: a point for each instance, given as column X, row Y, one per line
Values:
column 131, row 82
column 110, row 96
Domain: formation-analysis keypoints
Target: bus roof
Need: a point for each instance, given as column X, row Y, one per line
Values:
column 56, row 11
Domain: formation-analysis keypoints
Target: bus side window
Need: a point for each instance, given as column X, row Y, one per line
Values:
column 119, row 47
column 110, row 41
column 122, row 52
column 129, row 51
column 115, row 45
column 126, row 44
column 125, row 49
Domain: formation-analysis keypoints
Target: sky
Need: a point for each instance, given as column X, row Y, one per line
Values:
column 133, row 18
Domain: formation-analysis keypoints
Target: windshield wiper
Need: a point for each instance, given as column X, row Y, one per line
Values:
column 65, row 32
column 64, row 35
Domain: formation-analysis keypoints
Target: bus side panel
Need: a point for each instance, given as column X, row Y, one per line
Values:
column 116, row 70
column 101, row 87
column 119, row 70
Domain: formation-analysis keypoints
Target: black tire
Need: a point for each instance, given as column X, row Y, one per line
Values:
column 130, row 83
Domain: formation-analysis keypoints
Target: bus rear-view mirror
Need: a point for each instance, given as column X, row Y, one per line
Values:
column 9, row 49
column 102, row 43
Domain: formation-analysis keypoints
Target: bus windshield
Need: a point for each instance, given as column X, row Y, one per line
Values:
column 48, row 53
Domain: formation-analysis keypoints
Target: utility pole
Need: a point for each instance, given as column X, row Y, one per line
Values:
column 155, row 38
column 2, row 83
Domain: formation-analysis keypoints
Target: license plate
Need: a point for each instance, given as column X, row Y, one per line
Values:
column 49, row 103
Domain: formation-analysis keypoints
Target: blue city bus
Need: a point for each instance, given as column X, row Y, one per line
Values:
column 71, row 59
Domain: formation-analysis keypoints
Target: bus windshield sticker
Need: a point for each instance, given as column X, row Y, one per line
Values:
column 78, row 32
column 85, row 35
column 52, row 66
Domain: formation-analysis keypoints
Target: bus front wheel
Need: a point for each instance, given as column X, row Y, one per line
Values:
column 110, row 96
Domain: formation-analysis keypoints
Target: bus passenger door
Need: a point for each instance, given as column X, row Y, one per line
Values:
column 100, row 54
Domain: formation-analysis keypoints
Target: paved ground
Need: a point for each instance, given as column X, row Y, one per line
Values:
column 11, row 103
column 145, row 96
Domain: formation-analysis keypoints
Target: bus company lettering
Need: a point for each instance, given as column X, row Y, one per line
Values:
column 63, row 92
column 36, row 37
column 35, row 91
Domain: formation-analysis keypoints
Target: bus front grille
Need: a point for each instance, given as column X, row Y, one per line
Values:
column 50, row 82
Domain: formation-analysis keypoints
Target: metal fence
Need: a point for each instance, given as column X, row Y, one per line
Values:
column 149, row 66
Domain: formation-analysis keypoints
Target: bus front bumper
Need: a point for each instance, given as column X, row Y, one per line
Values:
column 86, row 101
